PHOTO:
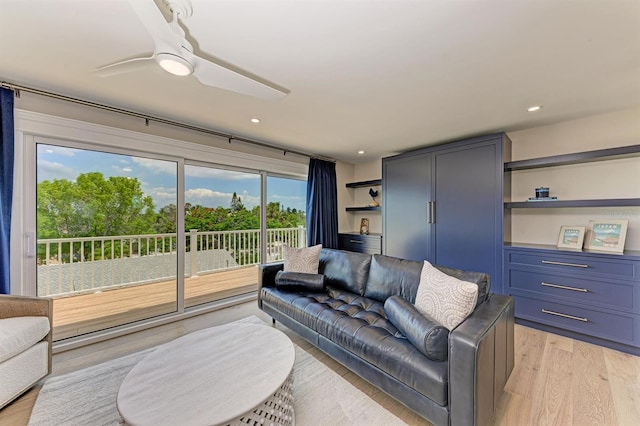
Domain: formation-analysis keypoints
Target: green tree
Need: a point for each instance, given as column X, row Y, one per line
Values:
column 93, row 206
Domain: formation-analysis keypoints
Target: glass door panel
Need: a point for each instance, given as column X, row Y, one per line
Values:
column 286, row 219
column 222, row 227
column 106, row 253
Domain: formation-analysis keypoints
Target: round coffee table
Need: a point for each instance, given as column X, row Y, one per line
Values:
column 221, row 375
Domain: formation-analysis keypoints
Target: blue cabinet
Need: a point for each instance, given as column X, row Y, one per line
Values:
column 444, row 204
column 585, row 295
column 369, row 243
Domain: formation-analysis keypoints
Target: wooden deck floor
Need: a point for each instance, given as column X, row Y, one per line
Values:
column 86, row 313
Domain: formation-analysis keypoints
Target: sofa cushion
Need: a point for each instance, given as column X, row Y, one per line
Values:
column 428, row 336
column 345, row 269
column 298, row 281
column 444, row 298
column 302, row 259
column 390, row 276
column 17, row 334
column 22, row 371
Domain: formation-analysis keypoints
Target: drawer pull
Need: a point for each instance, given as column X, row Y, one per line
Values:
column 565, row 287
column 575, row 265
column 356, row 241
column 558, row 314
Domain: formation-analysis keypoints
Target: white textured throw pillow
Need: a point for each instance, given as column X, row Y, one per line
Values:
column 444, row 298
column 304, row 260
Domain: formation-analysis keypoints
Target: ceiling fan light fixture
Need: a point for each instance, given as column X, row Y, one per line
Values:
column 174, row 64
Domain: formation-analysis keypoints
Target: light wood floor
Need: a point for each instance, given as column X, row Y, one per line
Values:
column 76, row 315
column 556, row 380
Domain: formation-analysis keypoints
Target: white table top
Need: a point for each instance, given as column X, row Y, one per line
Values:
column 210, row 377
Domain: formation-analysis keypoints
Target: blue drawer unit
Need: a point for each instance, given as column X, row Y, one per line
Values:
column 588, row 296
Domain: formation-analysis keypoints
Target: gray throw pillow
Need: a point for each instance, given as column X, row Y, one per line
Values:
column 444, row 298
column 304, row 259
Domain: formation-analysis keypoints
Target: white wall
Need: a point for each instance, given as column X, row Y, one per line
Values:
column 606, row 179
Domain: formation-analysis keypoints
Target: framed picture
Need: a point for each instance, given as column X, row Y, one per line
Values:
column 606, row 235
column 571, row 237
column 364, row 226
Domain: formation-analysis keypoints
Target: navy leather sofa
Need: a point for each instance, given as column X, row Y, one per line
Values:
column 347, row 321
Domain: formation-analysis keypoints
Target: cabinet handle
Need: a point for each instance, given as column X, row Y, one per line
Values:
column 575, row 265
column 565, row 287
column 356, row 241
column 558, row 314
column 431, row 212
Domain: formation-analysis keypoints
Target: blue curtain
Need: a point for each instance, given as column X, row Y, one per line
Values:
column 322, row 204
column 6, row 184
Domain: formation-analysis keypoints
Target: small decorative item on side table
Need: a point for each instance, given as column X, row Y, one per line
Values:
column 571, row 237
column 364, row 226
column 606, row 235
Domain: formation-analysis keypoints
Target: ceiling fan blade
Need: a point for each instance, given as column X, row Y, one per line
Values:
column 123, row 67
column 155, row 23
column 234, row 79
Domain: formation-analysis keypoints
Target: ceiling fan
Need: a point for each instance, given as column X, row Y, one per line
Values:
column 175, row 54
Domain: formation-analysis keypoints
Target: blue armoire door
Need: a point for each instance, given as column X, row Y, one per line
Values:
column 407, row 191
column 467, row 229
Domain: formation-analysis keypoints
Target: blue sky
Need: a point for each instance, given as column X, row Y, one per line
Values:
column 209, row 187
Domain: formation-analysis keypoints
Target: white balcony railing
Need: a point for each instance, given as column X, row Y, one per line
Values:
column 80, row 265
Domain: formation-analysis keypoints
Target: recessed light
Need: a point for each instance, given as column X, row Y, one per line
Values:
column 534, row 108
column 360, row 152
column 255, row 120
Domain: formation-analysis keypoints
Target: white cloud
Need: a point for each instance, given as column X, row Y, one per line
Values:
column 157, row 166
column 49, row 170
column 60, row 150
column 212, row 173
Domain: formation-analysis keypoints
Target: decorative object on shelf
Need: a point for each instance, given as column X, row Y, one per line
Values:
column 374, row 202
column 571, row 237
column 364, row 226
column 542, row 194
column 606, row 235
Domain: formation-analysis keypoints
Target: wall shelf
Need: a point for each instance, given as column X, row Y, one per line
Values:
column 361, row 184
column 613, row 202
column 576, row 158
column 363, row 209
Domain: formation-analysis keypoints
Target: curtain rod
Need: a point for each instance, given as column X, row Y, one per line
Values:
column 16, row 88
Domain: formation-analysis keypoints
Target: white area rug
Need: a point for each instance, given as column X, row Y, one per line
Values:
column 88, row 397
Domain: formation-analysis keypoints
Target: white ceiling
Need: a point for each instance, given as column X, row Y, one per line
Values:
column 383, row 76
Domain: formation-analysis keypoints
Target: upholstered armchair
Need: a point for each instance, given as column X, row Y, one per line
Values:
column 25, row 344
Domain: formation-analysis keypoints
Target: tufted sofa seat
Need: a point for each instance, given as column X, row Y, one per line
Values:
column 347, row 321
column 354, row 322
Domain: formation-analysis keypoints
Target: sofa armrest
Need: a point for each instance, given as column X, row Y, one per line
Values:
column 267, row 277
column 25, row 306
column 481, row 356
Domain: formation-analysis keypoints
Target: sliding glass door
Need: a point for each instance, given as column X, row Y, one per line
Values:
column 106, row 251
column 286, row 219
column 120, row 236
column 222, row 227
